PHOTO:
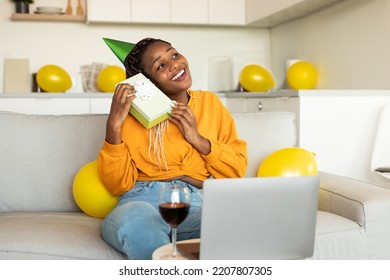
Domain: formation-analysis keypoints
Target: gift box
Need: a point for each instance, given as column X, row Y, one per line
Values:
column 151, row 106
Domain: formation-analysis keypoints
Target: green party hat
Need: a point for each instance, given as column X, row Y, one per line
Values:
column 119, row 48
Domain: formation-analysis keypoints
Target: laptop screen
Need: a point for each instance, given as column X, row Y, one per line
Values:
column 259, row 218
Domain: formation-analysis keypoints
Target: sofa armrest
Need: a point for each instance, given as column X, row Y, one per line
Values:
column 366, row 204
column 352, row 198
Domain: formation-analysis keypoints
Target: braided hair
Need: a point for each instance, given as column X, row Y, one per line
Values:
column 133, row 59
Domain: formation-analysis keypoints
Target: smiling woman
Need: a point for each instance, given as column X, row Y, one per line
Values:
column 198, row 140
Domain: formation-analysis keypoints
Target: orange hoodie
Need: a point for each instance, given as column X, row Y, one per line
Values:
column 121, row 165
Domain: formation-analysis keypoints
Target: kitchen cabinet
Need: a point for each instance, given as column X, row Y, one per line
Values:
column 47, row 106
column 150, row 11
column 259, row 13
column 113, row 11
column 56, row 103
column 189, row 11
column 252, row 13
column 100, row 105
column 266, row 13
column 260, row 9
column 214, row 12
column 227, row 12
column 249, row 102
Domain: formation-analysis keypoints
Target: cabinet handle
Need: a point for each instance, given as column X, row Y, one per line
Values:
column 260, row 106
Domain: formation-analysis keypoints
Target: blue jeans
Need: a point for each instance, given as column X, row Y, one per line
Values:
column 135, row 227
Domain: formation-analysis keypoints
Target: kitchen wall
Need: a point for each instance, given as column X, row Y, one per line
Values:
column 73, row 44
column 349, row 43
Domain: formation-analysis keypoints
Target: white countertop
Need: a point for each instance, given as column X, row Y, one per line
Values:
column 311, row 93
column 345, row 92
column 268, row 94
column 56, row 95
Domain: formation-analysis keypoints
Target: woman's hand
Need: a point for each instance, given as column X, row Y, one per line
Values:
column 184, row 118
column 120, row 106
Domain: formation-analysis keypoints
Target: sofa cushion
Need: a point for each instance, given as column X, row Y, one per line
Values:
column 41, row 154
column 265, row 133
column 52, row 235
column 338, row 238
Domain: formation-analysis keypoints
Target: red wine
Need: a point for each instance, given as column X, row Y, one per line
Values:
column 174, row 213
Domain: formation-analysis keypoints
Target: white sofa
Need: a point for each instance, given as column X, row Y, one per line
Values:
column 39, row 219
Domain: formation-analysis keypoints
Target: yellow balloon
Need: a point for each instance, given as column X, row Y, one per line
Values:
column 289, row 162
column 52, row 78
column 256, row 78
column 109, row 77
column 90, row 194
column 302, row 75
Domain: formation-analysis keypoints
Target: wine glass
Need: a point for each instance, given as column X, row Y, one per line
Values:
column 174, row 204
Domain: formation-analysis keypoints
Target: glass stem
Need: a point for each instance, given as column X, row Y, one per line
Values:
column 174, row 249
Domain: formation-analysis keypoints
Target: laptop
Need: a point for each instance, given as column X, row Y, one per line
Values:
column 272, row 218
